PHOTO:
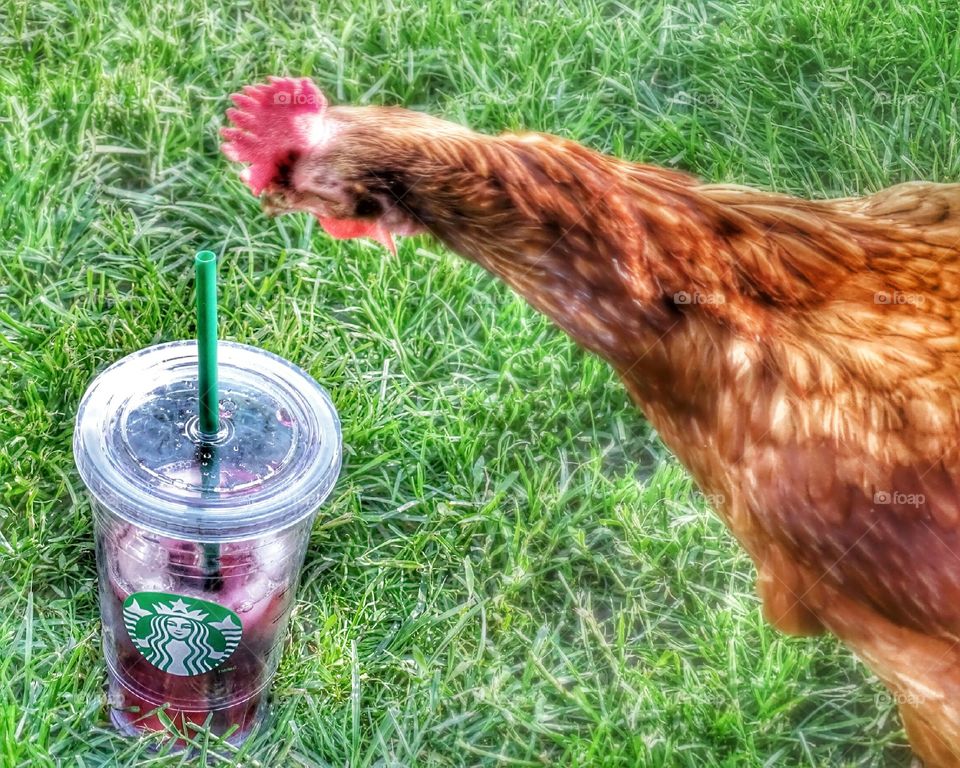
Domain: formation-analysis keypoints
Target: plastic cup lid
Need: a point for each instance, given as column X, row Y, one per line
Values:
column 138, row 447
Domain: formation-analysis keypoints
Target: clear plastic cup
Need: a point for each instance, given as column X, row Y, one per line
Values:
column 200, row 543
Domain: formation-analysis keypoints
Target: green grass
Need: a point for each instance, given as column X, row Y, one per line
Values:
column 512, row 570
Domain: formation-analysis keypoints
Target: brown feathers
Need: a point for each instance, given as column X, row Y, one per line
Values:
column 801, row 358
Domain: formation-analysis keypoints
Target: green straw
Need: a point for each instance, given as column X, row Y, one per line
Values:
column 209, row 457
column 206, row 264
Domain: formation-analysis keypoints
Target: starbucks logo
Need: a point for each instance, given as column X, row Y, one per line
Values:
column 179, row 634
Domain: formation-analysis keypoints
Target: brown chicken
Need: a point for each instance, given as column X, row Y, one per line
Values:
column 801, row 358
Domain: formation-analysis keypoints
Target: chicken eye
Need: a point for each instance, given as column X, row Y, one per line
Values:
column 285, row 168
column 368, row 207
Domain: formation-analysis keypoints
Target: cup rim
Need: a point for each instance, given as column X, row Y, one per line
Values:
column 271, row 506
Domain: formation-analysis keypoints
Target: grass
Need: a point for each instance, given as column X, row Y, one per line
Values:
column 512, row 570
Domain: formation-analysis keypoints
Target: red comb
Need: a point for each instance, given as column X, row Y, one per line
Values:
column 268, row 120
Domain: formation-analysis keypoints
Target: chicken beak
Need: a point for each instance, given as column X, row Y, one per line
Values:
column 383, row 236
column 272, row 205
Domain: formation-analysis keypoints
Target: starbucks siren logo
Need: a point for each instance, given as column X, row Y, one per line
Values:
column 179, row 634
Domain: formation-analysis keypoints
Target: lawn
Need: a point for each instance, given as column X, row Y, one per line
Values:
column 512, row 570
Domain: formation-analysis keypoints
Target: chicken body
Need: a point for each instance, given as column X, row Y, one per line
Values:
column 800, row 358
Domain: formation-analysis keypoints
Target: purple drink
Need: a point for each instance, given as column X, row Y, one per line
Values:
column 200, row 542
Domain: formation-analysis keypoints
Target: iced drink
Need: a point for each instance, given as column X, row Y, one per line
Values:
column 200, row 539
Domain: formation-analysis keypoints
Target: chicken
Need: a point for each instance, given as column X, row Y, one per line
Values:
column 801, row 358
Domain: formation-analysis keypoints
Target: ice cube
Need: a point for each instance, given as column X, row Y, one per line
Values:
column 255, row 600
column 142, row 561
column 185, row 559
column 236, row 559
column 274, row 558
column 249, row 592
